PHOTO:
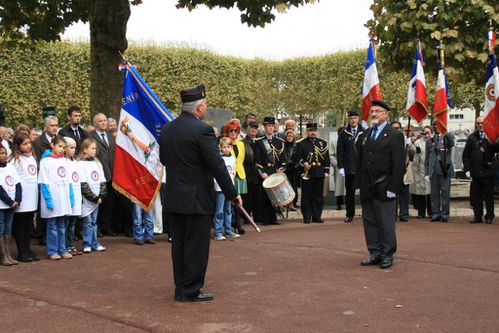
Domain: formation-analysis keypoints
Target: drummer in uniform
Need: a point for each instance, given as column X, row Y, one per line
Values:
column 269, row 160
column 312, row 154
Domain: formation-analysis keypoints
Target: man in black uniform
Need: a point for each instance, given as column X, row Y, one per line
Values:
column 382, row 167
column 250, row 199
column 269, row 160
column 191, row 157
column 312, row 154
column 348, row 160
column 480, row 164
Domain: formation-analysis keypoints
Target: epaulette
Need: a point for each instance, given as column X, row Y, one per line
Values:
column 322, row 139
column 276, row 137
column 298, row 141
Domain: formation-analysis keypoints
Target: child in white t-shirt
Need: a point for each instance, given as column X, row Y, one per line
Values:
column 57, row 198
column 74, row 178
column 223, row 208
column 93, row 190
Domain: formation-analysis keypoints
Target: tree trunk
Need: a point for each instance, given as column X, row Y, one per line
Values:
column 108, row 20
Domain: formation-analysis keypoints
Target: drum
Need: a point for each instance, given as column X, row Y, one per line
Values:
column 279, row 189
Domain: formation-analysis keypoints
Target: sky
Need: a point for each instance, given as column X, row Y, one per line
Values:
column 321, row 28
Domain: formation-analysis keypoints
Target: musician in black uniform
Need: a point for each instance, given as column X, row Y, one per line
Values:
column 312, row 154
column 269, row 160
column 191, row 157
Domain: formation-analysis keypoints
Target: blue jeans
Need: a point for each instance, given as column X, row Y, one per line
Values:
column 6, row 218
column 56, row 235
column 143, row 226
column 90, row 230
column 223, row 214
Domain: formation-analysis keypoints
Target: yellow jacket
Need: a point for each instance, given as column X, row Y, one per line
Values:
column 239, row 160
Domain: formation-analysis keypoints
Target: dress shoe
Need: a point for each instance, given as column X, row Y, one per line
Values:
column 371, row 261
column 274, row 223
column 404, row 219
column 202, row 297
column 489, row 221
column 139, row 242
column 444, row 219
column 348, row 219
column 241, row 231
column 318, row 221
column 150, row 241
column 34, row 256
column 435, row 219
column 476, row 220
column 108, row 232
column 339, row 207
column 306, row 221
column 24, row 258
column 387, row 262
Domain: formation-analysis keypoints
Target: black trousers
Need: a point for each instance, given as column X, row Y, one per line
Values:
column 311, row 198
column 403, row 202
column 164, row 215
column 379, row 226
column 350, row 195
column 106, row 208
column 250, row 202
column 190, row 251
column 21, row 230
column 122, row 216
column 268, row 212
column 482, row 189
column 422, row 203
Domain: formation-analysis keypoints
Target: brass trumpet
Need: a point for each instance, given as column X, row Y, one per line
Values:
column 305, row 175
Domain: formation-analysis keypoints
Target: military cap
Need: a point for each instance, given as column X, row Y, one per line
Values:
column 269, row 120
column 353, row 113
column 194, row 94
column 311, row 126
column 253, row 124
column 380, row 104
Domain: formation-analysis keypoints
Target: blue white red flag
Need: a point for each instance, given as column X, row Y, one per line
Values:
column 417, row 104
column 491, row 105
column 137, row 170
column 442, row 98
column 371, row 89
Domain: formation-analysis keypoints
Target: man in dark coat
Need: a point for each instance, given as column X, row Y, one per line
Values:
column 312, row 154
column 188, row 149
column 73, row 128
column 42, row 143
column 250, row 199
column 382, row 167
column 480, row 164
column 348, row 159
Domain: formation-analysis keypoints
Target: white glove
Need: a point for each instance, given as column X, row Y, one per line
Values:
column 364, row 124
column 342, row 172
column 468, row 174
column 408, row 141
column 390, row 195
column 427, row 178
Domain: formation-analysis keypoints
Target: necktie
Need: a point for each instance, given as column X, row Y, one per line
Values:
column 375, row 131
column 354, row 131
column 77, row 135
column 104, row 139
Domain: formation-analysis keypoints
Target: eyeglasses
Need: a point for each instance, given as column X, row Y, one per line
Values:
column 232, row 130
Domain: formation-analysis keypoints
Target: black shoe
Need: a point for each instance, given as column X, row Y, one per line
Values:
column 306, row 221
column 339, row 207
column 371, row 261
column 274, row 223
column 241, row 231
column 139, row 242
column 387, row 262
column 318, row 221
column 202, row 297
column 348, row 219
column 24, row 258
column 421, row 216
column 108, row 232
column 34, row 256
column 435, row 219
column 296, row 206
column 476, row 220
column 489, row 221
column 292, row 209
column 444, row 219
column 403, row 219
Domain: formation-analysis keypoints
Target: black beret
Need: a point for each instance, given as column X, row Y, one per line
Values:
column 311, row 126
column 381, row 104
column 269, row 120
column 353, row 113
column 253, row 124
column 194, row 94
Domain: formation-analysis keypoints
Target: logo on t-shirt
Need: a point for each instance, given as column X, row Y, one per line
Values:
column 9, row 180
column 75, row 176
column 94, row 175
column 32, row 170
column 61, row 171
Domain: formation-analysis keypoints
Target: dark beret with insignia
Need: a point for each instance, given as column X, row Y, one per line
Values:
column 381, row 104
column 353, row 113
column 269, row 120
column 194, row 94
column 311, row 126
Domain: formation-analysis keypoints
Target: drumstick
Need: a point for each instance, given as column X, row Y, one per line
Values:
column 248, row 218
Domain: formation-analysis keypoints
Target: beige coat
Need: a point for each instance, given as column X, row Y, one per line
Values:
column 420, row 186
column 339, row 181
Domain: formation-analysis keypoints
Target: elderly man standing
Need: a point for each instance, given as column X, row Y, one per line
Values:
column 105, row 154
column 480, row 164
column 382, row 162
column 188, row 149
column 42, row 143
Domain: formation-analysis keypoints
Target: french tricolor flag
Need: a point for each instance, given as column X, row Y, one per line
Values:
column 491, row 105
column 442, row 98
column 417, row 104
column 371, row 89
column 137, row 170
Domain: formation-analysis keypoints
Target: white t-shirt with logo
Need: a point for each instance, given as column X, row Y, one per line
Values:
column 230, row 164
column 91, row 172
column 74, row 177
column 27, row 170
column 54, row 172
column 8, row 180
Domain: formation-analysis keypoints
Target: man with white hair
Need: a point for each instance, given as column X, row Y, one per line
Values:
column 42, row 143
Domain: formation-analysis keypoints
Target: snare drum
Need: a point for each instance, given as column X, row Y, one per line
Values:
column 279, row 189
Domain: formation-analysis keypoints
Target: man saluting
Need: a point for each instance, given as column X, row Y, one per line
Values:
column 189, row 152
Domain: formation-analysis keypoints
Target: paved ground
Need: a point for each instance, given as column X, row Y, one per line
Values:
column 289, row 278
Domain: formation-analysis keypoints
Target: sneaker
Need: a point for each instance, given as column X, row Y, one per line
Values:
column 54, row 256
column 231, row 234
column 219, row 237
column 66, row 255
column 100, row 248
column 87, row 249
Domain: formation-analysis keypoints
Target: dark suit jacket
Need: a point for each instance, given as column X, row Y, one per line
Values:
column 444, row 147
column 105, row 153
column 381, row 158
column 40, row 145
column 262, row 158
column 478, row 157
column 188, row 150
column 68, row 131
column 347, row 152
